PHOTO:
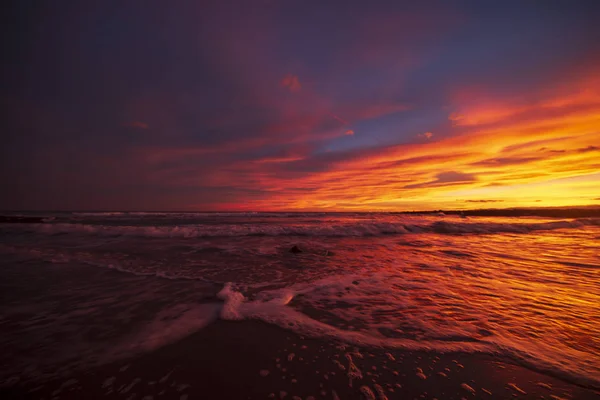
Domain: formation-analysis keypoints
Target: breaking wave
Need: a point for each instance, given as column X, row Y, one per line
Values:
column 336, row 229
column 276, row 309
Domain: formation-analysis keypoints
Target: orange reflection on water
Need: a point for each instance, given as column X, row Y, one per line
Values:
column 534, row 297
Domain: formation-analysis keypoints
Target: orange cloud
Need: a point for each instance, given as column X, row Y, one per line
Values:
column 283, row 159
column 509, row 152
column 291, row 82
column 342, row 121
column 349, row 132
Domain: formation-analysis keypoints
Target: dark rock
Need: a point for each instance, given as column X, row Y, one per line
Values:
column 295, row 250
column 355, row 282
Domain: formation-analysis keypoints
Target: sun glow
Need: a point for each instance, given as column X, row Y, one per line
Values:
column 544, row 153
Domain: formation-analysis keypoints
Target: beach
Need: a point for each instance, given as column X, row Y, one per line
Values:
column 253, row 360
column 324, row 305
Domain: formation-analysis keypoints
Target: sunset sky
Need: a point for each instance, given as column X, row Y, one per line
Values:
column 300, row 105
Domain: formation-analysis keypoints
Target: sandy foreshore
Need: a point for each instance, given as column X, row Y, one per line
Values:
column 254, row 360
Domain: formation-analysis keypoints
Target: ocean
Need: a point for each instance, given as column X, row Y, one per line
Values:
column 84, row 289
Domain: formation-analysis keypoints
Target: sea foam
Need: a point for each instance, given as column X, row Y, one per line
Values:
column 335, row 229
column 274, row 307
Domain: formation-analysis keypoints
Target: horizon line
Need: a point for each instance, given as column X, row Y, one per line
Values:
column 315, row 211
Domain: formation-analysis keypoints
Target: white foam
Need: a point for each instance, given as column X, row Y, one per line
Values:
column 99, row 214
column 367, row 393
column 274, row 311
column 168, row 326
column 339, row 229
column 353, row 371
column 233, row 302
column 274, row 307
column 467, row 388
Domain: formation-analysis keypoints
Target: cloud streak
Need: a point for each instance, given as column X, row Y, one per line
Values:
column 276, row 106
column 387, row 175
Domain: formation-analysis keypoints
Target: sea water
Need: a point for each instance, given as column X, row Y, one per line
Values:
column 83, row 289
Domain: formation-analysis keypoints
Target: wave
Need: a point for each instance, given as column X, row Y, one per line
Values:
column 277, row 311
column 338, row 229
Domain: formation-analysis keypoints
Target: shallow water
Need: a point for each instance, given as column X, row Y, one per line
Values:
column 86, row 288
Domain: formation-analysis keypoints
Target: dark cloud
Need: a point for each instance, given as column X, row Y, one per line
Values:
column 532, row 144
column 445, row 179
column 503, row 161
column 139, row 105
column 588, row 149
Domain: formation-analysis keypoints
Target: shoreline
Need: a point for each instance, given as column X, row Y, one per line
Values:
column 255, row 360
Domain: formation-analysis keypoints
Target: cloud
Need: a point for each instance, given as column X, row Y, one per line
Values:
column 374, row 111
column 349, row 132
column 445, row 179
column 533, row 144
column 479, row 161
column 291, row 82
column 588, row 149
column 137, row 125
column 503, row 161
column 552, row 151
column 340, row 120
column 484, row 201
column 278, row 159
column 454, row 177
column 233, row 126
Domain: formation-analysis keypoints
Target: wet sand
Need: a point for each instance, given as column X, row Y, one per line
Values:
column 254, row 360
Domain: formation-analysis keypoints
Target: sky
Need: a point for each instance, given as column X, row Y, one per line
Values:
column 299, row 105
